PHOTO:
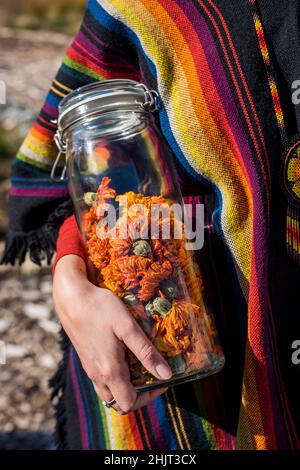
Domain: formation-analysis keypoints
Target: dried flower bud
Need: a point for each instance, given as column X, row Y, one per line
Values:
column 141, row 248
column 161, row 306
column 90, row 198
column 168, row 288
column 130, row 299
column 149, row 309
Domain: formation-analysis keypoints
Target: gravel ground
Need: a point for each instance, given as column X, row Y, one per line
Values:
column 28, row 326
column 28, row 63
column 29, row 332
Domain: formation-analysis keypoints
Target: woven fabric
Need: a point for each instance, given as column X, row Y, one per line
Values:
column 217, row 116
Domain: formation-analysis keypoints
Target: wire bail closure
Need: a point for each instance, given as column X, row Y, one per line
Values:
column 152, row 100
column 151, row 104
column 62, row 151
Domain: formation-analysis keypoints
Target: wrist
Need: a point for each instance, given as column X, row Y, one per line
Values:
column 72, row 289
column 69, row 279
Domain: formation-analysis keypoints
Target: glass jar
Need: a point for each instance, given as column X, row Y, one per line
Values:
column 131, row 213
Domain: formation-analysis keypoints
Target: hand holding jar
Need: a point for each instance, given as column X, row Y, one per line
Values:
column 129, row 209
column 101, row 330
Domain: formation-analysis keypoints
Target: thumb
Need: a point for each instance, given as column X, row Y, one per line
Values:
column 136, row 340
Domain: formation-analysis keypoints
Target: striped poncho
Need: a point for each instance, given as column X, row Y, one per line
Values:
column 217, row 116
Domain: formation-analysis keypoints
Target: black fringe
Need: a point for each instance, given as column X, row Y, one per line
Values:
column 58, row 385
column 40, row 243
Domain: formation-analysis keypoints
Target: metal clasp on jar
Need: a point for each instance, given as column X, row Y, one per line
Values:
column 151, row 104
column 152, row 100
column 58, row 139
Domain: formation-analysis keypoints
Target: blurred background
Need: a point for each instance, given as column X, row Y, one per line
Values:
column 34, row 35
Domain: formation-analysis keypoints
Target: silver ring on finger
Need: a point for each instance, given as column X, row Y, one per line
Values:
column 108, row 404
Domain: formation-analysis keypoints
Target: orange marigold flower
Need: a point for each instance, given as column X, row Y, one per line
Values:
column 128, row 199
column 137, row 267
column 104, row 191
column 113, row 279
column 164, row 249
column 133, row 269
column 89, row 219
column 175, row 333
column 98, row 250
column 104, row 194
column 120, row 247
column 150, row 282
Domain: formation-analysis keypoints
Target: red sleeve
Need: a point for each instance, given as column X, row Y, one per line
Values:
column 70, row 241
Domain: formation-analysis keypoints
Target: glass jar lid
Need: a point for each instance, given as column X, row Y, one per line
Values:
column 104, row 96
column 98, row 98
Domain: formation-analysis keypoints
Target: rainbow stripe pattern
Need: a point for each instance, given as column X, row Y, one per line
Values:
column 191, row 52
column 268, row 64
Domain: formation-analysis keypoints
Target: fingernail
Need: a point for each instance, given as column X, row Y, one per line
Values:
column 164, row 371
